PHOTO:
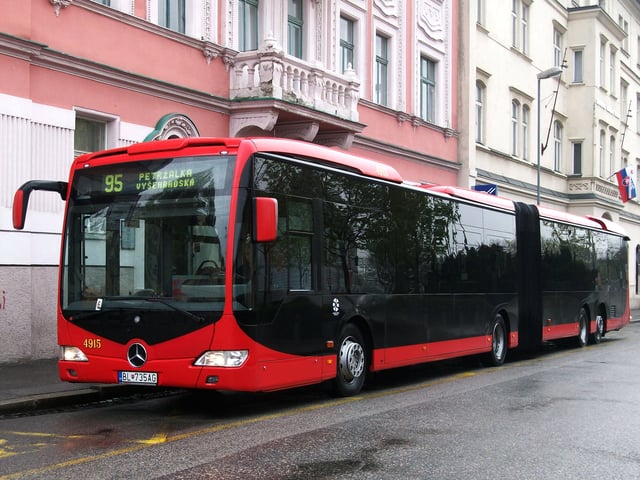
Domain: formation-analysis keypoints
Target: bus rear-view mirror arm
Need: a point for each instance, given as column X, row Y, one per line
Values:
column 21, row 197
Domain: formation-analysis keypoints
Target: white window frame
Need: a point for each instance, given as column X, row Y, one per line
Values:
column 612, row 154
column 557, row 47
column 345, row 46
column 525, row 118
column 578, row 66
column 520, row 25
column 515, row 127
column 194, row 19
column 558, row 132
column 603, row 51
column 386, row 102
column 111, row 126
column 481, row 98
column 243, row 33
column 576, row 146
column 612, row 70
column 601, row 141
column 428, row 103
column 358, row 17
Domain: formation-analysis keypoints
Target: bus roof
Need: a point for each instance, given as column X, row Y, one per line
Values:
column 550, row 214
column 610, row 226
column 312, row 151
column 588, row 221
column 298, row 148
column 472, row 195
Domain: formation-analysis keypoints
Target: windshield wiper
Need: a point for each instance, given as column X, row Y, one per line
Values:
column 127, row 300
column 92, row 313
column 164, row 301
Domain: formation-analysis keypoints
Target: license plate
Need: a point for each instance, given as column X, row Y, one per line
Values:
column 140, row 378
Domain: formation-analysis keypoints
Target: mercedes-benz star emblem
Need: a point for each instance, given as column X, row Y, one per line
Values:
column 137, row 355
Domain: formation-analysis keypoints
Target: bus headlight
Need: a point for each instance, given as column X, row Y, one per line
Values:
column 222, row 358
column 72, row 354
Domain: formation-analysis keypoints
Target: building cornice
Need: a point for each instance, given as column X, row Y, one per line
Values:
column 594, row 12
column 374, row 145
column 209, row 49
column 40, row 55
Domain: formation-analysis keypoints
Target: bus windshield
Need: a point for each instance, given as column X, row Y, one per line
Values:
column 147, row 231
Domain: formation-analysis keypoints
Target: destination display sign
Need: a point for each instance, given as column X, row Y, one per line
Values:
column 161, row 180
column 153, row 176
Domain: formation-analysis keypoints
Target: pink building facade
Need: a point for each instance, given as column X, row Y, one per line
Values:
column 375, row 77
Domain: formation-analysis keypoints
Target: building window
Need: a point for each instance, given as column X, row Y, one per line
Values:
column 625, row 27
column 171, row 14
column 577, row 67
column 557, row 48
column 103, row 2
column 637, row 269
column 524, row 23
column 480, row 102
column 520, row 114
column 557, row 146
column 603, row 49
column 382, row 62
column 480, row 12
column 576, row 154
column 601, row 153
column 625, row 106
column 520, row 25
column 612, row 154
column 514, row 23
column 612, row 71
column 248, row 25
column 89, row 136
column 295, row 24
column 427, row 89
column 637, row 113
column 347, row 44
column 525, row 132
column 515, row 108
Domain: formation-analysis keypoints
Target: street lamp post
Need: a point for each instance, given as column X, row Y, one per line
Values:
column 548, row 73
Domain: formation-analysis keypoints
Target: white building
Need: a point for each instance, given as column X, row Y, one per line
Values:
column 588, row 131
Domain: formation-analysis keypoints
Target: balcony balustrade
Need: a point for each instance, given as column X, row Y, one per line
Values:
column 270, row 74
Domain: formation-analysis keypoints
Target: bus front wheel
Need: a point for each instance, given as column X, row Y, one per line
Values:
column 352, row 362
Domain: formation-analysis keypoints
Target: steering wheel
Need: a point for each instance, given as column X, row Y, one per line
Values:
column 208, row 267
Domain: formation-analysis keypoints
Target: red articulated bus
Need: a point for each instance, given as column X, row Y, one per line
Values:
column 263, row 264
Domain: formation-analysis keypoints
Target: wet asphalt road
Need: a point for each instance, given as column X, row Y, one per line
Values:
column 566, row 413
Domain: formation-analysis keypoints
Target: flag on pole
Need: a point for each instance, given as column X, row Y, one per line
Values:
column 627, row 183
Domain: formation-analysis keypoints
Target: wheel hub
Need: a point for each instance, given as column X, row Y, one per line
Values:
column 351, row 359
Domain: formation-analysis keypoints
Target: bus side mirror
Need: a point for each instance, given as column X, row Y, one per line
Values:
column 21, row 198
column 265, row 220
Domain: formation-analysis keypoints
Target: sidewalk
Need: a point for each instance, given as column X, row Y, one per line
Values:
column 35, row 385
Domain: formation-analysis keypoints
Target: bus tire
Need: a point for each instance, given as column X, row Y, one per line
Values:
column 352, row 362
column 596, row 337
column 498, row 353
column 583, row 329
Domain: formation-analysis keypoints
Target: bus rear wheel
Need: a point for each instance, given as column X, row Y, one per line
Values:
column 583, row 329
column 352, row 362
column 596, row 337
column 498, row 352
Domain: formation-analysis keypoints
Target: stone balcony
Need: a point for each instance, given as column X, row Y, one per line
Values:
column 274, row 92
column 593, row 188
